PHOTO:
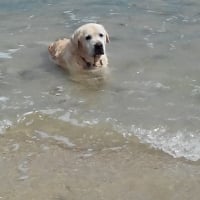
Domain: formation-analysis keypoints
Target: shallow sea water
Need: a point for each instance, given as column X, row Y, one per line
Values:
column 137, row 136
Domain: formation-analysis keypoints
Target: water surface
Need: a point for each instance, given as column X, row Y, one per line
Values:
column 150, row 100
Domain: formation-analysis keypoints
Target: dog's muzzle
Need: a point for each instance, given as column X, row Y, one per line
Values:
column 98, row 49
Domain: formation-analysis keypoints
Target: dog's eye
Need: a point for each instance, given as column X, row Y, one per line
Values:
column 100, row 34
column 88, row 37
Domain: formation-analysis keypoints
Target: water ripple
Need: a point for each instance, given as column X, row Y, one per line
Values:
column 180, row 144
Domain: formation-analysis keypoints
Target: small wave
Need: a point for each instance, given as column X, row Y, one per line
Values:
column 195, row 90
column 57, row 138
column 180, row 144
column 4, row 124
column 68, row 118
column 51, row 111
column 5, row 55
column 8, row 54
column 3, row 99
column 156, row 85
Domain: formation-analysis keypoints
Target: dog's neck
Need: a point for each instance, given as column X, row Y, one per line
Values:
column 91, row 63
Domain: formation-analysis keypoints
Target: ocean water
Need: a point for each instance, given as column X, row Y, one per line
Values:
column 153, row 90
column 135, row 136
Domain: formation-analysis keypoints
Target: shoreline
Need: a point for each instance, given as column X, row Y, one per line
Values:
column 45, row 168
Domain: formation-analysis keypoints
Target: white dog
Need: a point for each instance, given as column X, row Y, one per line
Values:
column 84, row 51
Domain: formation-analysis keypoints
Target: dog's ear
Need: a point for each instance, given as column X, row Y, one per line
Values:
column 107, row 38
column 75, row 38
column 107, row 35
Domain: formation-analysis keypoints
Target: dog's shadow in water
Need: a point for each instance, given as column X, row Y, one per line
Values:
column 46, row 66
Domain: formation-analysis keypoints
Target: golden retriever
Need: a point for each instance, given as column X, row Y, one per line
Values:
column 84, row 51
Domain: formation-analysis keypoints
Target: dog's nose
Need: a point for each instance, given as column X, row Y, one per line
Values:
column 98, row 49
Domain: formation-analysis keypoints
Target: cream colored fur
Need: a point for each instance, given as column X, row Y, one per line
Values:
column 77, row 54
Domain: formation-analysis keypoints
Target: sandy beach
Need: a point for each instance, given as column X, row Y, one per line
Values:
column 37, row 164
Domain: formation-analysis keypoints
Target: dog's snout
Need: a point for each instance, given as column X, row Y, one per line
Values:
column 98, row 48
column 98, row 45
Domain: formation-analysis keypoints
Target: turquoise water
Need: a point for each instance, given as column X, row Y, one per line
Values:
column 153, row 91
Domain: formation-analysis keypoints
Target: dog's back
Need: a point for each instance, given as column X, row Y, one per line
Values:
column 57, row 51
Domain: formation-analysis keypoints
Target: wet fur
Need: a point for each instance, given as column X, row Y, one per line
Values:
column 74, row 54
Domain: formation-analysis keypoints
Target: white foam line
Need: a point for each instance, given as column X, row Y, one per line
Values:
column 5, row 55
column 13, row 50
column 57, row 138
column 3, row 99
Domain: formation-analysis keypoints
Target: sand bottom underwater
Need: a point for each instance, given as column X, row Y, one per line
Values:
column 72, row 162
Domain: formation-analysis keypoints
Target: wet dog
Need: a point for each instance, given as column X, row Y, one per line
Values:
column 84, row 51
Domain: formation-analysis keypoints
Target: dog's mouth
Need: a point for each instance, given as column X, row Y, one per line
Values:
column 96, row 63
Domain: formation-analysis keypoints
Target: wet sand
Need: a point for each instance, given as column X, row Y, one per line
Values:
column 36, row 163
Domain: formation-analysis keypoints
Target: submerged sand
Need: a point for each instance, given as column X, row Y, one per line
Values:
column 88, row 163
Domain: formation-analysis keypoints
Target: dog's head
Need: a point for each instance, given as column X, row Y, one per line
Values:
column 90, row 40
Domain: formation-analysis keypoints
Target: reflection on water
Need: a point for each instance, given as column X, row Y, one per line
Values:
column 151, row 94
